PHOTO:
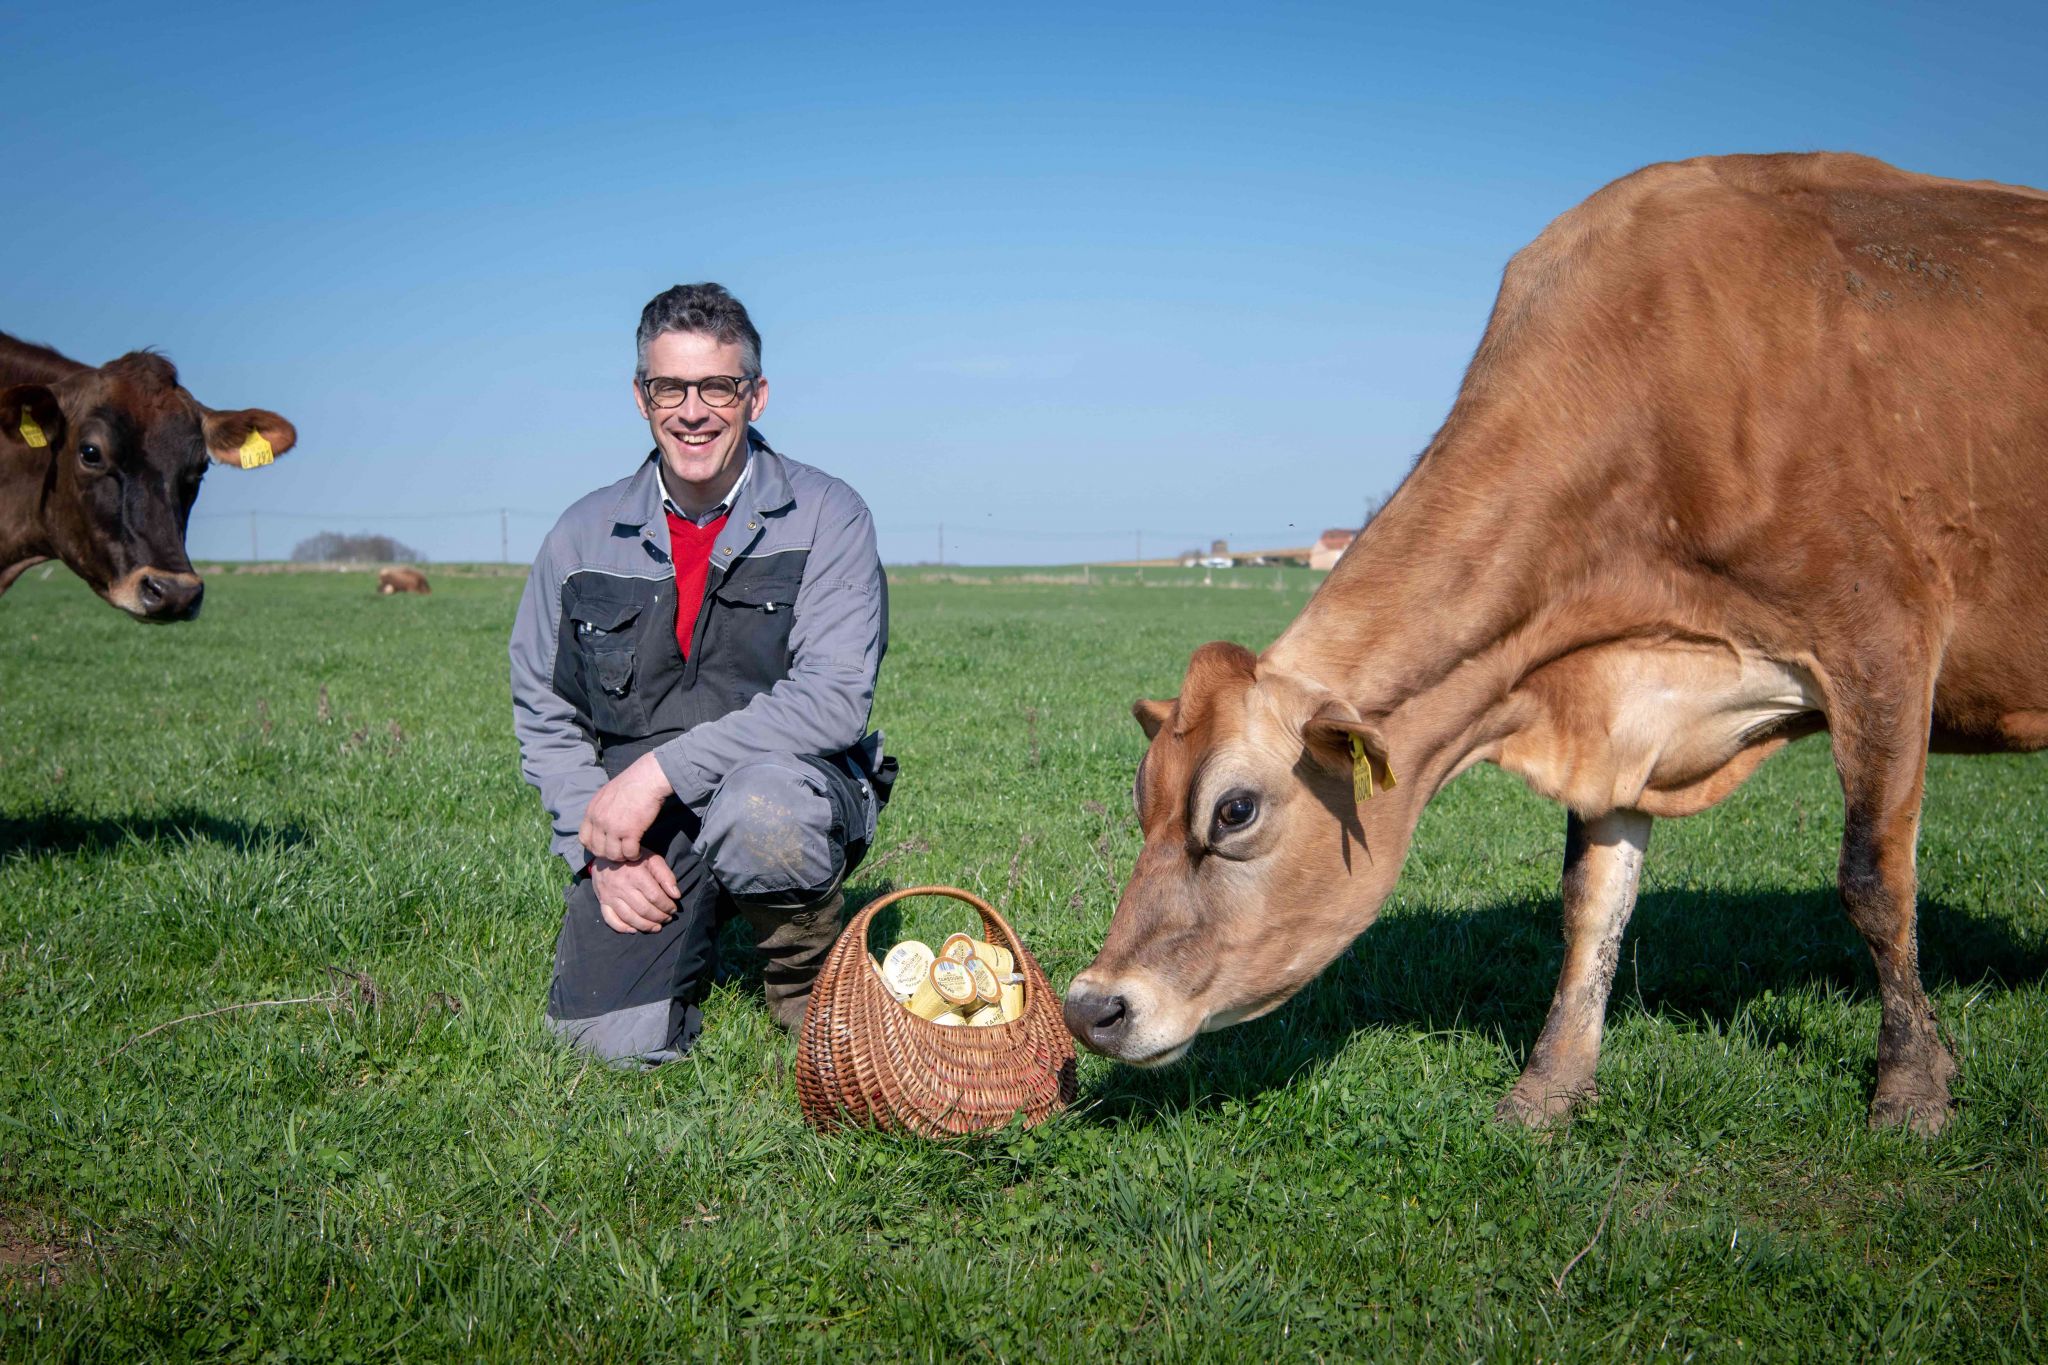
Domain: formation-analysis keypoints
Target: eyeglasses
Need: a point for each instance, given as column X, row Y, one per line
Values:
column 717, row 391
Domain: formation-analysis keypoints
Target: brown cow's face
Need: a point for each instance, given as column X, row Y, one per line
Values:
column 127, row 449
column 1258, row 866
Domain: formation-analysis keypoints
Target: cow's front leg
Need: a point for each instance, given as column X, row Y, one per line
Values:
column 1603, row 861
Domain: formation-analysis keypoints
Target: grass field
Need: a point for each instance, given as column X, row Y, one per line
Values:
column 311, row 796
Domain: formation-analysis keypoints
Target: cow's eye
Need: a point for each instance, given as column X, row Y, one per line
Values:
column 89, row 455
column 1236, row 810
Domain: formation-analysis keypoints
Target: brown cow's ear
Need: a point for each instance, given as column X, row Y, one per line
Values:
column 1151, row 715
column 1343, row 742
column 249, row 437
column 30, row 415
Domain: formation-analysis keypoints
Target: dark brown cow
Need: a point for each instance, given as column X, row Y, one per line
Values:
column 1753, row 447
column 402, row 580
column 99, row 467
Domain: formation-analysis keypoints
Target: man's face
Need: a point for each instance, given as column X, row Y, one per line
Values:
column 701, row 446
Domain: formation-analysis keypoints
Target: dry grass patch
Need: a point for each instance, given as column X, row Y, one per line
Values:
column 30, row 1253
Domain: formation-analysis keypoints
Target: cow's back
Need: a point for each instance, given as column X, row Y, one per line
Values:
column 1818, row 379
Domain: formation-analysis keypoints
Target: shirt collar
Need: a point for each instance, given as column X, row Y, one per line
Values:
column 732, row 496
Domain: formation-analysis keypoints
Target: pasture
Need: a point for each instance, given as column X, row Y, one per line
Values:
column 311, row 796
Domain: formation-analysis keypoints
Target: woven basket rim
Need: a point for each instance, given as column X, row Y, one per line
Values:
column 865, row 915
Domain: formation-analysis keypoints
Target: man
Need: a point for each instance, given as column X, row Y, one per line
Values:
column 692, row 668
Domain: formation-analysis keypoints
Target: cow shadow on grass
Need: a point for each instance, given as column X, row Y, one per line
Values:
column 64, row 833
column 1689, row 955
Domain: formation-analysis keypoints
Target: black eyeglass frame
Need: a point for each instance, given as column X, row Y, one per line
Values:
column 740, row 384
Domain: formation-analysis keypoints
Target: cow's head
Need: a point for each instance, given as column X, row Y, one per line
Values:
column 1260, row 863
column 127, row 447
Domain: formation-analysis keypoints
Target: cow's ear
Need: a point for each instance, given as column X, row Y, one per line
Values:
column 248, row 437
column 1151, row 715
column 30, row 415
column 1338, row 739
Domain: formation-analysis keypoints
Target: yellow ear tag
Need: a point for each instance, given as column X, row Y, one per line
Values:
column 32, row 433
column 1362, row 788
column 256, row 451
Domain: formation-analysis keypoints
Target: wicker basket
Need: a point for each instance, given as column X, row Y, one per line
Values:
column 866, row 1061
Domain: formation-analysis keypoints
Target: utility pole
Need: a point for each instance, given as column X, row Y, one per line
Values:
column 504, row 536
column 252, row 537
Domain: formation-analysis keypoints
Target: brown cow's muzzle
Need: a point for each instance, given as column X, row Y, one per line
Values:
column 1131, row 1017
column 157, row 595
column 1097, row 1019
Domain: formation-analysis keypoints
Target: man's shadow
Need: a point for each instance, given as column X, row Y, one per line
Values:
column 67, row 832
column 1690, row 955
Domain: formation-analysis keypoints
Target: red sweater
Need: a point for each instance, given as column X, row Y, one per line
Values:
column 689, row 546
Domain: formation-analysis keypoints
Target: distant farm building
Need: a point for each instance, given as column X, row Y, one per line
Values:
column 1329, row 547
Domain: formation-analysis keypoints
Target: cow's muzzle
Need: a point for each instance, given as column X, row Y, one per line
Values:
column 160, row 595
column 1129, row 1018
column 1098, row 1019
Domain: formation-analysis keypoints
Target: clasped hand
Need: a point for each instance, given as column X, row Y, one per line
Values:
column 636, row 889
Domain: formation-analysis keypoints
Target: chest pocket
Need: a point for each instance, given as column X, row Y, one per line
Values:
column 604, row 630
column 753, row 621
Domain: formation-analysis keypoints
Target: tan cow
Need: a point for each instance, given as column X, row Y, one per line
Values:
column 1752, row 447
column 402, row 580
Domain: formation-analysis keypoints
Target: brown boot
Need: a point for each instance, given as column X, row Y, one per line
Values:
column 795, row 940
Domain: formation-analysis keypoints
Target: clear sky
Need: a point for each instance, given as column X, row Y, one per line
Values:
column 1050, row 276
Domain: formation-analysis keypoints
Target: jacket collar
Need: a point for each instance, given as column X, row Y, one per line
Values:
column 766, row 489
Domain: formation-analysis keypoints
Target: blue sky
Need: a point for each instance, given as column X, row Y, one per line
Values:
column 1051, row 276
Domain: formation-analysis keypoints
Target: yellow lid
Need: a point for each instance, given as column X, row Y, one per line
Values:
column 953, row 981
column 957, row 947
column 906, row 965
column 986, row 1016
column 985, row 988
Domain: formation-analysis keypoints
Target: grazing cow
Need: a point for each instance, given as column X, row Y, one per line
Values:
column 99, row 467
column 402, row 580
column 1752, row 447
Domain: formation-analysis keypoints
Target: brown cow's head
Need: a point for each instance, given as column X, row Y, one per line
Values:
column 127, row 447
column 1260, row 864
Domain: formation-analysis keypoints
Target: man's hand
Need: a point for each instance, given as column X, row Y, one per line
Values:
column 623, row 809
column 637, row 896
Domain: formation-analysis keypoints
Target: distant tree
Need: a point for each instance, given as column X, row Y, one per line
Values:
column 331, row 547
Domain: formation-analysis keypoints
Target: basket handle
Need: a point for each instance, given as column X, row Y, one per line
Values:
column 991, row 922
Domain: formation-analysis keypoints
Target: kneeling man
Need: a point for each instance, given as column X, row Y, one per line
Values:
column 692, row 668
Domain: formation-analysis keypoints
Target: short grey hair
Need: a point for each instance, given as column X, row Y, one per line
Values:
column 706, row 309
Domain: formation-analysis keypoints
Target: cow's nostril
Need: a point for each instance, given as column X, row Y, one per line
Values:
column 169, row 597
column 1100, row 1021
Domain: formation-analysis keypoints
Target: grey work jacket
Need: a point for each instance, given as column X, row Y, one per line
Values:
column 788, row 642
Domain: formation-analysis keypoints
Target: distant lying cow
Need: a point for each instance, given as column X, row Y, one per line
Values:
column 99, row 468
column 402, row 580
column 1753, row 447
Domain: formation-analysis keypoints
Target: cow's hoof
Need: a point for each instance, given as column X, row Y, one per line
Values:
column 1924, row 1114
column 1541, row 1105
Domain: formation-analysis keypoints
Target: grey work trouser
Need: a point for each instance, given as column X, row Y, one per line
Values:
column 780, row 830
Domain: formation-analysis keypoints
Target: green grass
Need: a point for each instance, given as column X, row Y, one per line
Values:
column 412, row 1168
